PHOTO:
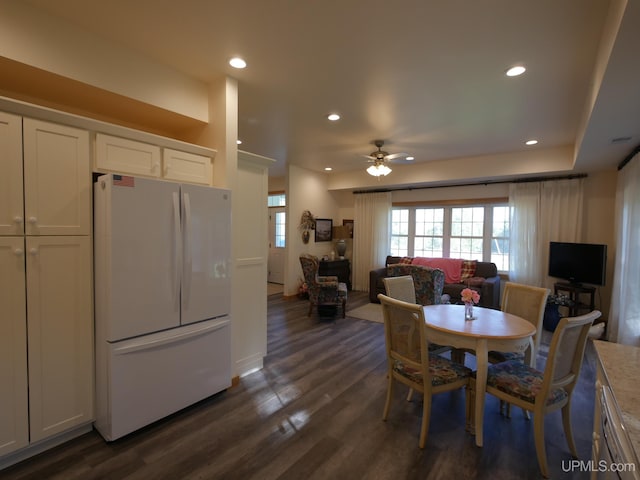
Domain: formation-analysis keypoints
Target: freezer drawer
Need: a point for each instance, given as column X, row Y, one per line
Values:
column 147, row 378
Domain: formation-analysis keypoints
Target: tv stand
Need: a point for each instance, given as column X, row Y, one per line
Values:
column 582, row 297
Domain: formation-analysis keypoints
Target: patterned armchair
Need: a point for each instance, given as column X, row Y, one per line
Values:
column 322, row 290
column 428, row 281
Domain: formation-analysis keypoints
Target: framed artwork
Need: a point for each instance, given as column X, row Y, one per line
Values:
column 349, row 225
column 324, row 227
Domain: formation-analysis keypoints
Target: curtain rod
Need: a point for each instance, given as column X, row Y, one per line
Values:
column 496, row 182
column 628, row 158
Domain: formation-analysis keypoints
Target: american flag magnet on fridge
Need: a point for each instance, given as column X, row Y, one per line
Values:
column 123, row 181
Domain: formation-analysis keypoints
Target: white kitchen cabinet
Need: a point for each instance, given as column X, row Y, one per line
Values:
column 131, row 157
column 121, row 155
column 46, row 326
column 57, row 179
column 186, row 167
column 14, row 413
column 11, row 198
column 60, row 333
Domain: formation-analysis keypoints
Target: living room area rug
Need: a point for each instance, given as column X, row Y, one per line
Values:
column 370, row 311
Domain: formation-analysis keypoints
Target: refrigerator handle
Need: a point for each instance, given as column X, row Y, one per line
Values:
column 178, row 247
column 187, row 248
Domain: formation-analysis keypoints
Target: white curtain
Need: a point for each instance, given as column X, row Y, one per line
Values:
column 541, row 212
column 624, row 315
column 372, row 224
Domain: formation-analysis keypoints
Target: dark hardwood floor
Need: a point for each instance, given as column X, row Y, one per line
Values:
column 314, row 412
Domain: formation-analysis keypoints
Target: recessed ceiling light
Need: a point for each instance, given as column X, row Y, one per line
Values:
column 237, row 62
column 328, row 169
column 531, row 142
column 239, row 142
column 410, row 158
column 515, row 71
column 333, row 117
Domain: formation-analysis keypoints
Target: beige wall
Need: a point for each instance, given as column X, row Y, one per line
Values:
column 306, row 190
column 598, row 225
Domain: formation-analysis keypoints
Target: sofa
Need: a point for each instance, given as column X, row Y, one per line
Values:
column 480, row 276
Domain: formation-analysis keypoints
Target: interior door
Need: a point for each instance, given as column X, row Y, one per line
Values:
column 277, row 244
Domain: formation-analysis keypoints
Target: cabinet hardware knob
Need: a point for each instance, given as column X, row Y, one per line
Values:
column 17, row 252
column 33, row 220
column 17, row 219
column 33, row 251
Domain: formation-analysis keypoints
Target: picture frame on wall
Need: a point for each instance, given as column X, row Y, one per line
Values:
column 324, row 229
column 349, row 225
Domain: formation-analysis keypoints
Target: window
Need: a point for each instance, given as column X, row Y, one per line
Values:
column 467, row 233
column 473, row 232
column 280, row 226
column 277, row 200
column 429, row 232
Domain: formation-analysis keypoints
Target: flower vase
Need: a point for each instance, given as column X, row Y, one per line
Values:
column 468, row 311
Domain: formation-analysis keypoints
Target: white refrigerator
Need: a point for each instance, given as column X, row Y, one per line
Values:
column 162, row 299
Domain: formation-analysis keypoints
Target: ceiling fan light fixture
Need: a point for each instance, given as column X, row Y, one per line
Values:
column 378, row 170
column 515, row 71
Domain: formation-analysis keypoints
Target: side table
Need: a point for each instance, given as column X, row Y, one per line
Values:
column 339, row 268
column 581, row 297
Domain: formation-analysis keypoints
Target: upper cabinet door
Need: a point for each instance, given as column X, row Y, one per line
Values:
column 11, row 197
column 57, row 175
column 186, row 167
column 119, row 155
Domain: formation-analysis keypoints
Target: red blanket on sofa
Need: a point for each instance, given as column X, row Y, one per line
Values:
column 451, row 267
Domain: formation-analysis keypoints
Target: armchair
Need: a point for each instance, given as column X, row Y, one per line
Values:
column 323, row 290
column 428, row 282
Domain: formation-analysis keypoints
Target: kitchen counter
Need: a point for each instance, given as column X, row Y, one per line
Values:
column 621, row 365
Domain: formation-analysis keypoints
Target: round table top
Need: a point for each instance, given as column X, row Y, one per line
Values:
column 488, row 323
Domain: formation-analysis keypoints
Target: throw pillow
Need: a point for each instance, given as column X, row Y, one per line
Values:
column 468, row 269
column 406, row 260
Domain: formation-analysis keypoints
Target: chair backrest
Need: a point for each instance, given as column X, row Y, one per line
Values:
column 428, row 282
column 405, row 335
column 527, row 302
column 566, row 352
column 400, row 288
column 309, row 264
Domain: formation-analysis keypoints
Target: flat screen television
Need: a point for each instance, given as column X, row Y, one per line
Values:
column 578, row 262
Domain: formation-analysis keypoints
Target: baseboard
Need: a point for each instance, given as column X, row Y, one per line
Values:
column 39, row 447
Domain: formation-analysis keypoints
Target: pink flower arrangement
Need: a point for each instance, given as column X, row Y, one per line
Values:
column 469, row 296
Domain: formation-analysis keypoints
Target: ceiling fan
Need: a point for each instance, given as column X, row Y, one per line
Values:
column 379, row 159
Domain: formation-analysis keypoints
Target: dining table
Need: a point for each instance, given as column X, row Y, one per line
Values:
column 489, row 330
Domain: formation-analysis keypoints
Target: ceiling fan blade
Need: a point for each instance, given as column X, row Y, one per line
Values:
column 369, row 157
column 395, row 155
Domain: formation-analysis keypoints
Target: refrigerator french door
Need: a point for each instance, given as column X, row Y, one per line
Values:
column 162, row 253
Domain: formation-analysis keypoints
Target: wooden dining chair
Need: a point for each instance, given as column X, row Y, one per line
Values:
column 527, row 302
column 409, row 361
column 402, row 288
column 541, row 392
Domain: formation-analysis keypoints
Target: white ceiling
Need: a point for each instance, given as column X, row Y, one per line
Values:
column 425, row 76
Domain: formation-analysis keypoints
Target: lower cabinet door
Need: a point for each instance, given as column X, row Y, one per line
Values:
column 14, row 415
column 60, row 334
